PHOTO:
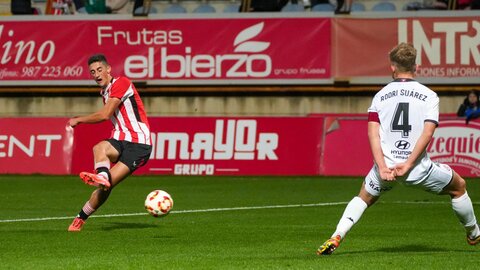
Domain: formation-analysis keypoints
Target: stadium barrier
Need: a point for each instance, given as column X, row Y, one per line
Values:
column 35, row 145
column 317, row 144
column 221, row 146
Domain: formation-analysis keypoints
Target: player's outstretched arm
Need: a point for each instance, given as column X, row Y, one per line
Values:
column 422, row 143
column 103, row 114
column 374, row 139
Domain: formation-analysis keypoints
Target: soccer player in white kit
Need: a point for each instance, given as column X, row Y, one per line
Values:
column 401, row 122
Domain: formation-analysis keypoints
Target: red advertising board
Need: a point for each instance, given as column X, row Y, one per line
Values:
column 220, row 146
column 165, row 51
column 346, row 150
column 448, row 47
column 324, row 144
column 457, row 144
column 245, row 50
column 35, row 145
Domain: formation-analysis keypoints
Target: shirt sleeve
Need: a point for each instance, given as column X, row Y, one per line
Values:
column 373, row 117
column 431, row 114
column 373, row 106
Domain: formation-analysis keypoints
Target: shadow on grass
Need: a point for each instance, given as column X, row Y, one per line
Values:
column 412, row 249
column 111, row 226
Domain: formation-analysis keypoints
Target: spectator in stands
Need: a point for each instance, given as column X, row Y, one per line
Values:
column 449, row 4
column 436, row 4
column 103, row 6
column 470, row 108
column 475, row 4
column 263, row 5
column 462, row 4
column 79, row 6
column 97, row 7
column 22, row 7
column 64, row 7
column 118, row 6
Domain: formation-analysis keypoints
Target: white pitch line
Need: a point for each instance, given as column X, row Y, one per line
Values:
column 180, row 211
column 220, row 210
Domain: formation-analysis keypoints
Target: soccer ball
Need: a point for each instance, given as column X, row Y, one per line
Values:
column 158, row 203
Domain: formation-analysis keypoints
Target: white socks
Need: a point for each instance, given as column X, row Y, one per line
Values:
column 88, row 209
column 351, row 215
column 104, row 174
column 103, row 164
column 462, row 206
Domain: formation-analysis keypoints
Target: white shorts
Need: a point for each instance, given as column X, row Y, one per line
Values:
column 427, row 175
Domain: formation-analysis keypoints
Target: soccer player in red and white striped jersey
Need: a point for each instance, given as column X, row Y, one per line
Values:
column 129, row 146
column 129, row 120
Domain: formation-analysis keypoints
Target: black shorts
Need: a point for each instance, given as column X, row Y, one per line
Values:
column 134, row 155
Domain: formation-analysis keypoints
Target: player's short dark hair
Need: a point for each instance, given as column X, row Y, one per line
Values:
column 403, row 57
column 97, row 58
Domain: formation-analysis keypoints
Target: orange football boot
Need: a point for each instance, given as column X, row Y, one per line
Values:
column 329, row 246
column 95, row 180
column 76, row 225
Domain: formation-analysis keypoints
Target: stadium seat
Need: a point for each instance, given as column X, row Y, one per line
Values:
column 82, row 10
column 175, row 8
column 231, row 8
column 204, row 8
column 384, row 6
column 141, row 10
column 323, row 8
column 357, row 7
column 293, row 8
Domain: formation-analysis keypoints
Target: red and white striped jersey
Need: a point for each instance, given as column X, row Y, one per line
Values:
column 129, row 120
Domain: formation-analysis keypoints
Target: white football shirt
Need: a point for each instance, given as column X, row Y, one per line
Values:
column 402, row 107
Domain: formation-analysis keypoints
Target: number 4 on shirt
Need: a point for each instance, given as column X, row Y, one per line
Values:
column 400, row 119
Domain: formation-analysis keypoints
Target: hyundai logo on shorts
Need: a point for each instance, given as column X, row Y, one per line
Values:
column 401, row 144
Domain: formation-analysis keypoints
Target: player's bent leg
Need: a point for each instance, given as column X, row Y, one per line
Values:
column 456, row 187
column 366, row 196
column 353, row 212
column 104, row 151
column 98, row 197
column 463, row 208
column 119, row 172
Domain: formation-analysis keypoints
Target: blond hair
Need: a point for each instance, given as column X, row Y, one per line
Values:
column 403, row 57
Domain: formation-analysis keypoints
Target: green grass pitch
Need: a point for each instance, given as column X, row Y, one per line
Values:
column 256, row 223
